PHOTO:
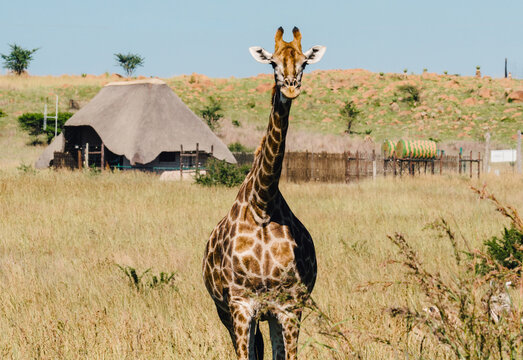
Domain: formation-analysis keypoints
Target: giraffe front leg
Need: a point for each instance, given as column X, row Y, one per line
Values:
column 243, row 325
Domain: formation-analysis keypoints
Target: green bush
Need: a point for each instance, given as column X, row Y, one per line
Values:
column 410, row 93
column 2, row 113
column 222, row 173
column 33, row 124
column 140, row 281
column 238, row 147
column 507, row 250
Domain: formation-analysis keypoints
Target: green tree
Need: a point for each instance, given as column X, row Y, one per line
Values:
column 349, row 112
column 129, row 62
column 211, row 113
column 18, row 59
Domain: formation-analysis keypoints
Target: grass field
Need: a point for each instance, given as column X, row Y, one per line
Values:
column 62, row 234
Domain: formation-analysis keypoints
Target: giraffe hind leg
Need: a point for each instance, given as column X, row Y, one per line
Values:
column 284, row 331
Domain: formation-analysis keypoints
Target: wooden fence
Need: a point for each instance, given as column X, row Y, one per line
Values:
column 349, row 167
column 353, row 166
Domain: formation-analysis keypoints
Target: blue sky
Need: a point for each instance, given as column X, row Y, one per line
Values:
column 212, row 37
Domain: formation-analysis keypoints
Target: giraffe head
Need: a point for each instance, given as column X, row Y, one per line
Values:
column 288, row 61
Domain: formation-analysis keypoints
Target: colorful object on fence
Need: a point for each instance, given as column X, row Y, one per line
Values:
column 416, row 149
column 388, row 148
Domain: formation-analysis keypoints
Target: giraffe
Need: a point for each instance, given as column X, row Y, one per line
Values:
column 260, row 263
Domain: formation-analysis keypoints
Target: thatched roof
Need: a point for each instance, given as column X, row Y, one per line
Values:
column 140, row 119
column 56, row 145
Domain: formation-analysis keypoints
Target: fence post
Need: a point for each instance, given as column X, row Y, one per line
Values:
column 312, row 166
column 459, row 163
column 346, row 158
column 181, row 162
column 357, row 165
column 470, row 164
column 373, row 164
column 87, row 155
column 79, row 159
column 197, row 149
column 479, row 163
column 394, row 164
column 441, row 163
column 486, row 161
column 518, row 154
column 102, row 157
column 432, row 166
column 307, row 164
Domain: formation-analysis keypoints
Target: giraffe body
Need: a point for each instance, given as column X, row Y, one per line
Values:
column 260, row 263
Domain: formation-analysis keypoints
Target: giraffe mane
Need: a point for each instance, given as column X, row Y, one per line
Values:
column 257, row 152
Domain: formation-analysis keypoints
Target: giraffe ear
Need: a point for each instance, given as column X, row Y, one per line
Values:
column 260, row 54
column 314, row 54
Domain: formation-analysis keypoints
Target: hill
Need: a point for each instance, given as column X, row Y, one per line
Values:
column 451, row 108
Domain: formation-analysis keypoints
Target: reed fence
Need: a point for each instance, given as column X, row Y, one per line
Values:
column 353, row 166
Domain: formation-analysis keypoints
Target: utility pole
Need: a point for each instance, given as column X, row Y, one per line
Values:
column 486, row 161
column 506, row 70
column 518, row 154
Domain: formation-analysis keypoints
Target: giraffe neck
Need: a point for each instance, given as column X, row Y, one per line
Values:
column 268, row 163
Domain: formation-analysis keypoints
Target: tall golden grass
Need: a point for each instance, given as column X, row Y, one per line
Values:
column 62, row 235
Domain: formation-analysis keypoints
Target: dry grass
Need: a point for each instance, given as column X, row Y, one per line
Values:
column 62, row 235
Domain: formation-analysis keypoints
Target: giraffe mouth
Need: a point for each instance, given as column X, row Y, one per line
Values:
column 290, row 92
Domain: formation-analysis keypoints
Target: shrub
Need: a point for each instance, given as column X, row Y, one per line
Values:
column 236, row 123
column 33, row 124
column 238, row 147
column 470, row 313
column 141, row 281
column 506, row 251
column 211, row 113
column 222, row 173
column 410, row 94
column 2, row 113
column 26, row 169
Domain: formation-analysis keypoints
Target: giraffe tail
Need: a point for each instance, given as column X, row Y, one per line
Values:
column 258, row 343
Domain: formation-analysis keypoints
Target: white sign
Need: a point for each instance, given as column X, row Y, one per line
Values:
column 497, row 156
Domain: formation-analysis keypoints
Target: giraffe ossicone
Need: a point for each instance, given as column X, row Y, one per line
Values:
column 260, row 263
